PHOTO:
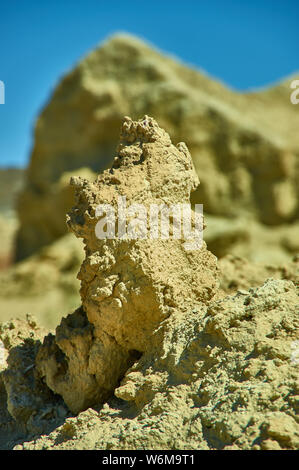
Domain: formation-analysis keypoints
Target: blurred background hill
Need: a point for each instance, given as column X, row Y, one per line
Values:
column 11, row 182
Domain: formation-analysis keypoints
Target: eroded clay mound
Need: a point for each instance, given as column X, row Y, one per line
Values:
column 166, row 359
column 128, row 286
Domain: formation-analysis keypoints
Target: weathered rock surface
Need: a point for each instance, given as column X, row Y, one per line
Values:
column 245, row 147
column 163, row 355
column 128, row 286
column 222, row 376
column 27, row 405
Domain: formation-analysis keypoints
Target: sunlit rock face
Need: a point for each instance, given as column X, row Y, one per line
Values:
column 128, row 285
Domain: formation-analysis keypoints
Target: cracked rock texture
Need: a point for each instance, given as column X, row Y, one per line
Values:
column 169, row 349
column 27, row 405
column 245, row 147
column 128, row 286
column 220, row 376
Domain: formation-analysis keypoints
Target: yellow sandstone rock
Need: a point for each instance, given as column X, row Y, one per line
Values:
column 128, row 286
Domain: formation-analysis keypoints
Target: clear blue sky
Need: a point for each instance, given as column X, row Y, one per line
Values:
column 245, row 43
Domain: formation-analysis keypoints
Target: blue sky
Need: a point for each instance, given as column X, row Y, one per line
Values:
column 246, row 44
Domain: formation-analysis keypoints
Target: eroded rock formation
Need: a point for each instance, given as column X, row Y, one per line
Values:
column 166, row 357
column 128, row 286
column 220, row 376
